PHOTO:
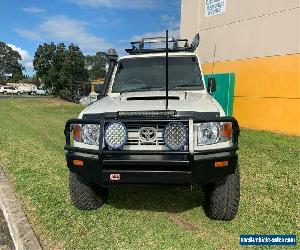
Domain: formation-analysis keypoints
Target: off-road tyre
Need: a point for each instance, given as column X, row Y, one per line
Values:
column 18, row 93
column 4, row 92
column 84, row 194
column 222, row 197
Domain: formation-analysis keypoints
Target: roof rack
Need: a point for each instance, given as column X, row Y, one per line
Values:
column 138, row 47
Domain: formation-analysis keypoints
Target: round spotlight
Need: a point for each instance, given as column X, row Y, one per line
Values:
column 115, row 135
column 175, row 136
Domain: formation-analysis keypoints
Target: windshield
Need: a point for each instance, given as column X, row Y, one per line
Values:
column 140, row 74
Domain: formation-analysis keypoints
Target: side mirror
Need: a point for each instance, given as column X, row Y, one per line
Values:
column 212, row 84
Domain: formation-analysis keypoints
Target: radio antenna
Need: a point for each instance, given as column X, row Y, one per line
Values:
column 167, row 69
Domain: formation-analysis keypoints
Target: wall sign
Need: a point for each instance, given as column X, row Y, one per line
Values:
column 214, row 7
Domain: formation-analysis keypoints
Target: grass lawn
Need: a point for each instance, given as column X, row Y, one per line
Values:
column 31, row 150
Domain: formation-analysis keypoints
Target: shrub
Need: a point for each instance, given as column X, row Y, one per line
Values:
column 66, row 94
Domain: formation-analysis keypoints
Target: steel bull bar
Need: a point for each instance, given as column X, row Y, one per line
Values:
column 139, row 167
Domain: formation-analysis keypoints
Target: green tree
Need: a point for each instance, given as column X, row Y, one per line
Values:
column 58, row 68
column 9, row 63
column 96, row 65
column 36, row 81
column 73, row 67
column 44, row 64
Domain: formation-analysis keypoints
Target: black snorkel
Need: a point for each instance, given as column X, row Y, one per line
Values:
column 112, row 57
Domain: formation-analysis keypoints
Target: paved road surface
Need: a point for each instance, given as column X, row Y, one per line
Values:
column 5, row 239
column 23, row 96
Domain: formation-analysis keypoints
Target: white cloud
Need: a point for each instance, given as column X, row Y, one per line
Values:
column 162, row 33
column 170, row 22
column 121, row 4
column 33, row 9
column 26, row 57
column 68, row 30
column 30, row 34
column 167, row 18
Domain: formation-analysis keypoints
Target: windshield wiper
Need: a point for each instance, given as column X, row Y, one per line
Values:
column 185, row 86
column 140, row 89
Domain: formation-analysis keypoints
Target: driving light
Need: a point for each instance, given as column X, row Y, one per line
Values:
column 116, row 135
column 175, row 136
column 214, row 132
column 90, row 134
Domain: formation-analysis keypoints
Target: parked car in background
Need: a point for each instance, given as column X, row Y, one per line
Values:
column 41, row 91
column 10, row 90
column 30, row 90
column 33, row 91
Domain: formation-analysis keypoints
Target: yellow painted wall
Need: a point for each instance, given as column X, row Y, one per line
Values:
column 267, row 92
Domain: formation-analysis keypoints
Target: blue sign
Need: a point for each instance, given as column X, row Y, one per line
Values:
column 267, row 240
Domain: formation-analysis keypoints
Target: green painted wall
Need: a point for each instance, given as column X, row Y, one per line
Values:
column 225, row 91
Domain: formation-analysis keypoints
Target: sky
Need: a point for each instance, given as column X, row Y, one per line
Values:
column 94, row 25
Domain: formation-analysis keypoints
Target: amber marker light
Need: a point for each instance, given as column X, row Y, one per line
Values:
column 78, row 163
column 77, row 132
column 221, row 164
column 226, row 130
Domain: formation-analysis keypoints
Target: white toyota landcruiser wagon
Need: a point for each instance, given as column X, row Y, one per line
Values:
column 156, row 123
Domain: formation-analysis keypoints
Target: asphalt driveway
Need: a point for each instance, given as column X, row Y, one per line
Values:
column 5, row 239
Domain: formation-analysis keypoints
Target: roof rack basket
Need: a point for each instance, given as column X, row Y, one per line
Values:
column 138, row 47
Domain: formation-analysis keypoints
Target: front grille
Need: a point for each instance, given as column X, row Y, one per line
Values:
column 135, row 141
column 134, row 134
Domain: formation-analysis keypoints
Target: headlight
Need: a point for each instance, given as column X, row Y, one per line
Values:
column 116, row 135
column 214, row 132
column 90, row 134
column 175, row 135
column 86, row 133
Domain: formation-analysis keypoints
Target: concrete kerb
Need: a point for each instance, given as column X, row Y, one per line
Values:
column 19, row 227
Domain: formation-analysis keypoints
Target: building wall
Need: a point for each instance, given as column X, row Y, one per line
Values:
column 258, row 40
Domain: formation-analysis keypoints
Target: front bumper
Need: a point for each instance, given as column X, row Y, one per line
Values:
column 168, row 169
column 108, row 168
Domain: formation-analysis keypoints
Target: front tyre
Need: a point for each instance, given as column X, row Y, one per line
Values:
column 222, row 197
column 84, row 194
